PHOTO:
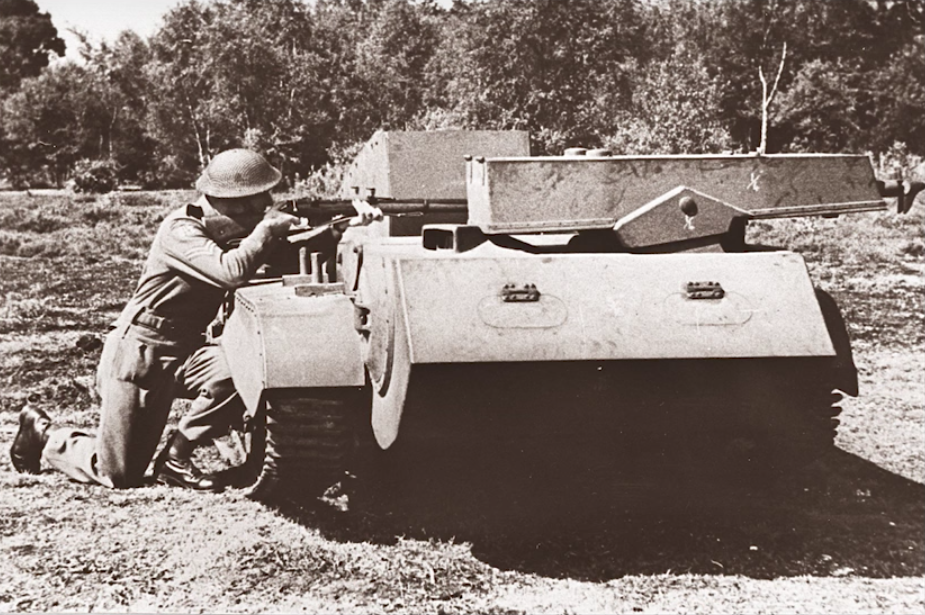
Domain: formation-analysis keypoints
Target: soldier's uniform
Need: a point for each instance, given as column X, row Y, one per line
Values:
column 156, row 352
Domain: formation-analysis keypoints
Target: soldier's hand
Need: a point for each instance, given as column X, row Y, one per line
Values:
column 278, row 222
column 366, row 213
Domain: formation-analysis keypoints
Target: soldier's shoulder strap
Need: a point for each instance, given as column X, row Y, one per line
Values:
column 195, row 211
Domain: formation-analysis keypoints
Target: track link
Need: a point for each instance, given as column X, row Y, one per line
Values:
column 302, row 445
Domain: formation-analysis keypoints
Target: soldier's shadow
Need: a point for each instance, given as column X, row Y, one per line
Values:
column 840, row 516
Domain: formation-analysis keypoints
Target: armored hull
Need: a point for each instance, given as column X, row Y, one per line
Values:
column 581, row 303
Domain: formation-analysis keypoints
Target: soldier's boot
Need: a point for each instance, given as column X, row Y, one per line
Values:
column 26, row 452
column 175, row 467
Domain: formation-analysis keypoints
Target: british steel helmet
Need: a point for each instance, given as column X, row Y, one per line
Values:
column 237, row 173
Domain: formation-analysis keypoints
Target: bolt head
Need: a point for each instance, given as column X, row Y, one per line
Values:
column 688, row 206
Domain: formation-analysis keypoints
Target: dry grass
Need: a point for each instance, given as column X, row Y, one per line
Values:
column 845, row 536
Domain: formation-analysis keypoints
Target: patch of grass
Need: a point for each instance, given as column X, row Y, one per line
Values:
column 913, row 249
column 96, row 228
column 62, row 280
column 16, row 311
column 29, row 220
column 100, row 213
column 48, row 370
column 876, row 241
column 871, row 263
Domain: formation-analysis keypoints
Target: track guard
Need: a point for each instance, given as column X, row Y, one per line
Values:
column 276, row 339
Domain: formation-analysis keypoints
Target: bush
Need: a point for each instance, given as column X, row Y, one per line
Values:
column 325, row 182
column 172, row 173
column 674, row 111
column 898, row 159
column 322, row 183
column 96, row 176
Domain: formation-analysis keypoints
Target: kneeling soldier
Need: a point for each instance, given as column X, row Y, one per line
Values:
column 157, row 350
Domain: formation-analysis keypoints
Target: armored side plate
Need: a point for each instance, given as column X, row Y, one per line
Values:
column 523, row 195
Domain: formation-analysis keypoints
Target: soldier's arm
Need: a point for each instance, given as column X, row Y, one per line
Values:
column 189, row 249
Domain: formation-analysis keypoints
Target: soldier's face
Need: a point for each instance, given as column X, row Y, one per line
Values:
column 246, row 211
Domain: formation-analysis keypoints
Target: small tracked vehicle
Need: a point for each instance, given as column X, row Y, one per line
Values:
column 580, row 300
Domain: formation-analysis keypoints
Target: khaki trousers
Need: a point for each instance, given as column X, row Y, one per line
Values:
column 139, row 376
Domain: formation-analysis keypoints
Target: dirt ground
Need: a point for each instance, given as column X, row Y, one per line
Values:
column 843, row 535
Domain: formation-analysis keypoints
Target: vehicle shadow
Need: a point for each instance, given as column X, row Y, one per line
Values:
column 840, row 516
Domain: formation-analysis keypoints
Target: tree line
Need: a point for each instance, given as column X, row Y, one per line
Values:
column 304, row 83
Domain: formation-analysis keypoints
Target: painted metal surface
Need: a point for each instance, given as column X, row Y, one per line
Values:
column 384, row 339
column 391, row 389
column 680, row 215
column 571, row 193
column 431, row 164
column 603, row 306
column 432, row 306
column 276, row 339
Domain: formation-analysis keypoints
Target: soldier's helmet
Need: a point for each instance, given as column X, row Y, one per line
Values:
column 237, row 173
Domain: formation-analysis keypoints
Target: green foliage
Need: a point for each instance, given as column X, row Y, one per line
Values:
column 322, row 183
column 48, row 125
column 391, row 62
column 673, row 112
column 298, row 81
column 172, row 172
column 27, row 38
column 122, row 94
column 94, row 176
column 325, row 182
column 559, row 69
column 737, row 37
column 898, row 88
column 238, row 72
column 824, row 108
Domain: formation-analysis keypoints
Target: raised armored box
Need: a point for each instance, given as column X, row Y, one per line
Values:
column 424, row 166
column 417, row 165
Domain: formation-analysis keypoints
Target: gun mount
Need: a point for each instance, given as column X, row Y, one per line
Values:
column 613, row 295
